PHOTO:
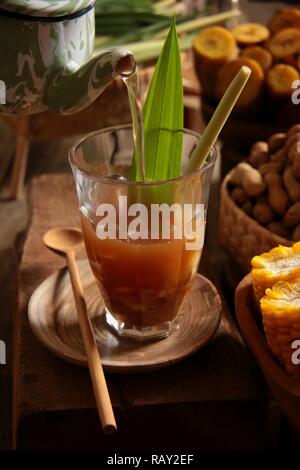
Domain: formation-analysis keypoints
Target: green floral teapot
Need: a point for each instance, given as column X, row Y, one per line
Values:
column 47, row 57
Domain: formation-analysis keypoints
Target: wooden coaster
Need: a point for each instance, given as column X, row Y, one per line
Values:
column 53, row 319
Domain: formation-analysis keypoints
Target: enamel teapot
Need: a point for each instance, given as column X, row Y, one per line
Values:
column 47, row 57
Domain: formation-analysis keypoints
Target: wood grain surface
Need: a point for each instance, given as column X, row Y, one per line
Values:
column 53, row 319
column 193, row 402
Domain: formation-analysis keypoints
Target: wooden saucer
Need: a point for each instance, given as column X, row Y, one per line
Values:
column 52, row 317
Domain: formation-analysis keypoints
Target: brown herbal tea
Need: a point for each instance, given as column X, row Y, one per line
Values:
column 143, row 282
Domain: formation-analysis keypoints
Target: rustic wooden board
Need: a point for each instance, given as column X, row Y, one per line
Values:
column 193, row 402
column 53, row 319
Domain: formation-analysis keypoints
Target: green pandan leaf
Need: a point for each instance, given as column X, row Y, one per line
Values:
column 163, row 114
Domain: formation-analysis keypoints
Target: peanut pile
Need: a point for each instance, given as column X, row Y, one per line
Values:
column 267, row 186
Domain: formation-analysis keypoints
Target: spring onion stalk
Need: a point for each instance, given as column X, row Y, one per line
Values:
column 201, row 23
column 218, row 120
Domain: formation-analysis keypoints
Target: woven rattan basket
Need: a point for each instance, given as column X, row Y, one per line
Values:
column 241, row 235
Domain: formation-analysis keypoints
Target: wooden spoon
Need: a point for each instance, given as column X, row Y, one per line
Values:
column 67, row 241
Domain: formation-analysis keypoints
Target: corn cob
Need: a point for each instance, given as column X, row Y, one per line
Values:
column 281, row 317
column 280, row 264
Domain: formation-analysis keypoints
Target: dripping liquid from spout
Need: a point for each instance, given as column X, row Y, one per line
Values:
column 128, row 71
column 126, row 65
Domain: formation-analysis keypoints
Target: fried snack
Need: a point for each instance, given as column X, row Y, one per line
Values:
column 280, row 79
column 215, row 44
column 260, row 55
column 280, row 264
column 253, row 87
column 280, row 309
column 248, row 34
column 285, row 18
column 285, row 43
column 213, row 47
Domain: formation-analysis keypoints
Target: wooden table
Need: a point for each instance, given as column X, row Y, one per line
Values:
column 211, row 400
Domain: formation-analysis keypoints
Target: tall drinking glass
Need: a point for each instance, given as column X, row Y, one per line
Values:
column 143, row 239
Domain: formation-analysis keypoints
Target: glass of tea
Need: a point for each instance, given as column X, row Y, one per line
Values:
column 143, row 239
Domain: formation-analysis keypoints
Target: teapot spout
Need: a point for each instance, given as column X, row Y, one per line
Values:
column 76, row 87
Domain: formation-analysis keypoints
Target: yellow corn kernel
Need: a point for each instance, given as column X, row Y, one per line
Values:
column 279, row 264
column 280, row 309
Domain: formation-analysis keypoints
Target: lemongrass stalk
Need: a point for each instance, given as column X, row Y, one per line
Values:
column 218, row 120
column 150, row 50
column 200, row 23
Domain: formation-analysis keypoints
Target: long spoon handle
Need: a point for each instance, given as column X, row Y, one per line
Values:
column 95, row 367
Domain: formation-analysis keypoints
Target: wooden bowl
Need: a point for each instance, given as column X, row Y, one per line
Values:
column 284, row 388
column 241, row 235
